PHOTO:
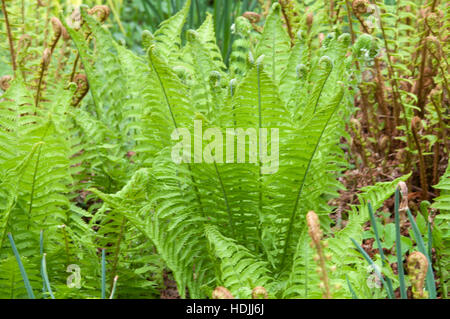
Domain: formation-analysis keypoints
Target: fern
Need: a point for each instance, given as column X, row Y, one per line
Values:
column 86, row 143
column 186, row 204
column 304, row 281
column 442, row 235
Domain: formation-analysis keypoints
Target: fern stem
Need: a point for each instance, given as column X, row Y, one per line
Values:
column 350, row 24
column 441, row 124
column 421, row 98
column 33, row 186
column 22, row 12
column 116, row 253
column 288, row 23
column 225, row 197
column 74, row 67
column 66, row 243
column 422, row 169
column 10, row 37
column 47, row 20
column 398, row 245
column 260, row 199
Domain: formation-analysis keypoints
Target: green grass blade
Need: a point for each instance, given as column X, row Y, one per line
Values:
column 370, row 261
column 398, row 246
column 103, row 274
column 354, row 296
column 380, row 248
column 430, row 239
column 45, row 276
column 22, row 269
column 431, row 287
column 41, row 252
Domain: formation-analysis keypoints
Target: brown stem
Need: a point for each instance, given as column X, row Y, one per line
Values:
column 43, row 68
column 331, row 9
column 74, row 68
column 423, row 54
column 435, row 163
column 288, row 23
column 398, row 105
column 415, row 124
column 61, row 64
column 379, row 95
column 350, row 24
column 23, row 16
column 441, row 125
column 47, row 20
column 10, row 37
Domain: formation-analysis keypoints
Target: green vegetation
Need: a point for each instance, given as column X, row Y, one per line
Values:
column 93, row 98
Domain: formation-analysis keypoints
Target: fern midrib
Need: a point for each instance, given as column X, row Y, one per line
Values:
column 299, row 193
column 117, row 251
column 33, row 186
column 225, row 197
column 260, row 199
column 197, row 193
column 321, row 90
column 274, row 54
column 14, row 202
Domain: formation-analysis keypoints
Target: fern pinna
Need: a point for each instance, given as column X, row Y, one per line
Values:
column 95, row 171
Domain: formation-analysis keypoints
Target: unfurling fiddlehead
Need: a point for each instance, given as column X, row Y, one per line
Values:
column 360, row 6
column 222, row 293
column 417, row 268
column 4, row 82
column 82, row 89
column 101, row 11
column 47, row 55
column 315, row 233
column 57, row 32
column 259, row 293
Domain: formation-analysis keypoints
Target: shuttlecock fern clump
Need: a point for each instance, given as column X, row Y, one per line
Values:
column 134, row 157
column 220, row 219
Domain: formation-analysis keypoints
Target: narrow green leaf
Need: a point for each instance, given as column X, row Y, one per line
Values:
column 371, row 263
column 22, row 269
column 354, row 296
column 431, row 287
column 45, row 276
column 103, row 274
column 380, row 248
column 398, row 246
